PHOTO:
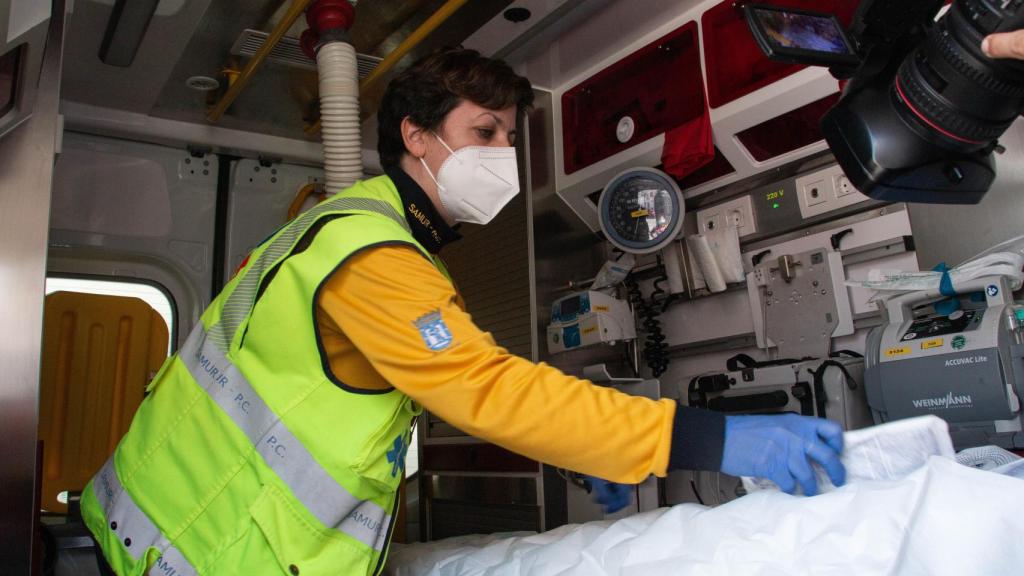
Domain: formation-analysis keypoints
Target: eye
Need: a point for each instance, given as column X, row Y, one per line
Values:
column 485, row 133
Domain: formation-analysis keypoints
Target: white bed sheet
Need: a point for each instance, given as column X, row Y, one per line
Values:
column 944, row 518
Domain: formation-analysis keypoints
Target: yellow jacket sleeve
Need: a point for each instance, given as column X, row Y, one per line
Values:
column 402, row 314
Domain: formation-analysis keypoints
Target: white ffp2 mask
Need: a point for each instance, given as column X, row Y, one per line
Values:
column 476, row 182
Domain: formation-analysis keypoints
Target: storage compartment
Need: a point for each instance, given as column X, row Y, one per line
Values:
column 735, row 65
column 788, row 132
column 645, row 94
column 718, row 167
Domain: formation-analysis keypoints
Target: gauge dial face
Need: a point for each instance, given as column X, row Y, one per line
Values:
column 640, row 210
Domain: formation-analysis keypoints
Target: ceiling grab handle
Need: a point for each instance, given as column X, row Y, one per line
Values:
column 293, row 13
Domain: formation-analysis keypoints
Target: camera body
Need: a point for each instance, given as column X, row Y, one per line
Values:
column 920, row 115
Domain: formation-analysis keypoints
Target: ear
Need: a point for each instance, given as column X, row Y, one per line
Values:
column 414, row 137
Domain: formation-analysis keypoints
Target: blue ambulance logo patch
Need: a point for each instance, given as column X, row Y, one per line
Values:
column 396, row 456
column 434, row 331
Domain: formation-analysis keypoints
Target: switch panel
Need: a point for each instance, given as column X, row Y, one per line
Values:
column 738, row 212
column 826, row 190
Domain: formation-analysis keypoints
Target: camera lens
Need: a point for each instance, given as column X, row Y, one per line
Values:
column 949, row 92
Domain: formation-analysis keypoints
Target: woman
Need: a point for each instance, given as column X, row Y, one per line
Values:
column 274, row 441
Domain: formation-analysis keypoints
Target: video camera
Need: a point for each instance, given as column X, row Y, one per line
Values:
column 920, row 115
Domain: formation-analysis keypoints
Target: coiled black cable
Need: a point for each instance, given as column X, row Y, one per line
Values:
column 658, row 294
column 655, row 351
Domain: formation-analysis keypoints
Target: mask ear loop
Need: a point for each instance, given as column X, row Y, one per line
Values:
column 431, row 174
column 427, row 168
column 440, row 188
column 443, row 143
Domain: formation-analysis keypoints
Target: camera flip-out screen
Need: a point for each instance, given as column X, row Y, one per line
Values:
column 799, row 36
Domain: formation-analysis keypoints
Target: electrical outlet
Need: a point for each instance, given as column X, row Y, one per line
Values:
column 738, row 212
column 712, row 221
column 826, row 190
column 817, row 192
column 734, row 217
column 842, row 185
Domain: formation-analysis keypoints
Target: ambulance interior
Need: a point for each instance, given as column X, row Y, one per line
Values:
column 148, row 145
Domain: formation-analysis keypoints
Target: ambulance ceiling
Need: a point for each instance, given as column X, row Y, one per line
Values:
column 568, row 47
column 188, row 38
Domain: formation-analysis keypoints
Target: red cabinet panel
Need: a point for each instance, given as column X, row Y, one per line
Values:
column 659, row 87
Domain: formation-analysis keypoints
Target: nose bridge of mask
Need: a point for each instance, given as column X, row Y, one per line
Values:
column 488, row 163
column 487, row 157
column 503, row 170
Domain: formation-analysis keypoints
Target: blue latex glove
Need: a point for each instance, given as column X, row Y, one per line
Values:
column 781, row 448
column 612, row 496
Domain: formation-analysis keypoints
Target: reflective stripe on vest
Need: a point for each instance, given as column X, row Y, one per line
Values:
column 133, row 527
column 313, row 486
column 240, row 301
column 204, row 357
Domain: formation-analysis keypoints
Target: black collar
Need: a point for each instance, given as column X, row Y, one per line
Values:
column 428, row 228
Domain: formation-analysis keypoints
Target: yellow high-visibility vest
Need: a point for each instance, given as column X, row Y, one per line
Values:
column 248, row 457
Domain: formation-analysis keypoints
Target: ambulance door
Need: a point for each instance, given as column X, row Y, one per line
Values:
column 99, row 353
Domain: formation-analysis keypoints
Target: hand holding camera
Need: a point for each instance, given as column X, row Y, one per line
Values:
column 1004, row 45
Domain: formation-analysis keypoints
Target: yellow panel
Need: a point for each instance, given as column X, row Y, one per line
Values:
column 99, row 352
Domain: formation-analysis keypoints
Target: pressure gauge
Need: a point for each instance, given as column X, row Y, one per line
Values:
column 641, row 210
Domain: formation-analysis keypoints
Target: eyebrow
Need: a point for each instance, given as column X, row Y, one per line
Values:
column 499, row 121
column 493, row 115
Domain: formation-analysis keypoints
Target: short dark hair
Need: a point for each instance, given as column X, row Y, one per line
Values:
column 429, row 89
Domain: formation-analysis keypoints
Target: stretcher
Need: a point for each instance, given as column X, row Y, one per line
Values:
column 943, row 517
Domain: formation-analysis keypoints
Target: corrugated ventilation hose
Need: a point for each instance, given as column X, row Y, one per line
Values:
column 339, row 112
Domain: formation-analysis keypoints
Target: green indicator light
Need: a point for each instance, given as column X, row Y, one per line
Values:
column 775, row 205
